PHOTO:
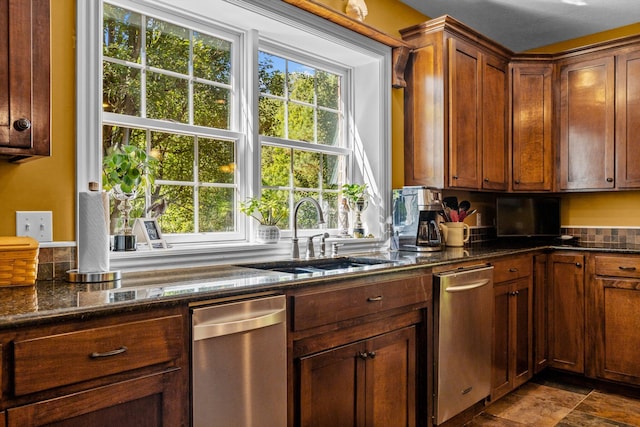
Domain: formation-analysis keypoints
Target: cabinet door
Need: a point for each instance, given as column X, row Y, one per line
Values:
column 587, row 117
column 149, row 401
column 540, row 314
column 566, row 312
column 512, row 346
column 24, row 78
column 465, row 69
column 390, row 379
column 628, row 120
column 532, row 144
column 500, row 378
column 617, row 337
column 494, row 124
column 331, row 385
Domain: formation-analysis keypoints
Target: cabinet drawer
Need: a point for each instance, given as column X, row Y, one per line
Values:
column 68, row 358
column 510, row 269
column 319, row 308
column 618, row 266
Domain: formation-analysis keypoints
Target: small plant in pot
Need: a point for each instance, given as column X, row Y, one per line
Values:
column 269, row 213
column 126, row 171
column 358, row 200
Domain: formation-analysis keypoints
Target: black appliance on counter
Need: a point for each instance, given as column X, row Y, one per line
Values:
column 527, row 216
column 416, row 213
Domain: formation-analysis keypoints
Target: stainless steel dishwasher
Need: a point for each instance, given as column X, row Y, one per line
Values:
column 464, row 317
column 239, row 370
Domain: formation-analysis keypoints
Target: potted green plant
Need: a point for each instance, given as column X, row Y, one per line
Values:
column 357, row 200
column 126, row 170
column 268, row 213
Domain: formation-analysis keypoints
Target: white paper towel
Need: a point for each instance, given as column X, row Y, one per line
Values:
column 93, row 232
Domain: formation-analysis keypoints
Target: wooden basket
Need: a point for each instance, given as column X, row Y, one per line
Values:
column 18, row 261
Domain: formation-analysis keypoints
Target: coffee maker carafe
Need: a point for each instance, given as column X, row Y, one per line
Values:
column 416, row 213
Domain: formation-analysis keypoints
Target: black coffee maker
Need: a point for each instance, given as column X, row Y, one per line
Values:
column 416, row 213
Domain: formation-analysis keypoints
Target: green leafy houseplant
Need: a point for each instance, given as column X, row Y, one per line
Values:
column 128, row 168
column 354, row 192
column 265, row 211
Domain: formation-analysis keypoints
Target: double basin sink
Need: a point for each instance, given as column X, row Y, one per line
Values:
column 321, row 265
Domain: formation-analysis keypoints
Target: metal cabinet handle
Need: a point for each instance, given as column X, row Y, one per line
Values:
column 513, row 270
column 372, row 355
column 373, row 299
column 455, row 176
column 22, row 124
column 516, row 182
column 578, row 264
column 362, row 355
column 627, row 268
column 97, row 355
column 609, row 179
column 486, row 180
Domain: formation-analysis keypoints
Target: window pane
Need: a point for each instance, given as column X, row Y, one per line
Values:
column 120, row 89
column 301, row 82
column 271, row 73
column 306, row 169
column 276, row 166
column 300, row 122
column 211, row 106
column 330, row 209
column 167, row 98
column 271, row 112
column 211, row 58
column 167, row 46
column 176, row 156
column 217, row 209
column 328, row 88
column 121, row 33
column 178, row 218
column 331, row 172
column 217, row 161
column 328, row 128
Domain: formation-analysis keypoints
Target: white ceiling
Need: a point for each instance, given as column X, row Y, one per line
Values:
column 525, row 24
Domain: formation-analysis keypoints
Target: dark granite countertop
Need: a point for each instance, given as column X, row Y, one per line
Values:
column 53, row 300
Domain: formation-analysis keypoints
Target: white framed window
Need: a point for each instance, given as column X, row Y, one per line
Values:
column 209, row 118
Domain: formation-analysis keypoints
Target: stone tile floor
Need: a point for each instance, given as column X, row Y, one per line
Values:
column 550, row 401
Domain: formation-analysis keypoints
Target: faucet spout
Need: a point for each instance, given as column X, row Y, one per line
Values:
column 295, row 252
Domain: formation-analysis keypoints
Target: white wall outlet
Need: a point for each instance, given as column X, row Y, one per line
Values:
column 36, row 224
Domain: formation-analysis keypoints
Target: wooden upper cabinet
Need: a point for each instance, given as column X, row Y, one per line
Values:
column 532, row 106
column 587, row 124
column 455, row 108
column 24, row 79
column 628, row 120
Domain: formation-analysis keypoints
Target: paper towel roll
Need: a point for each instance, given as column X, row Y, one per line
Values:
column 93, row 232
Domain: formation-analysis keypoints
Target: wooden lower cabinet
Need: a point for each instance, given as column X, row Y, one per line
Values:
column 142, row 402
column 566, row 305
column 512, row 363
column 615, row 321
column 124, row 369
column 360, row 352
column 370, row 383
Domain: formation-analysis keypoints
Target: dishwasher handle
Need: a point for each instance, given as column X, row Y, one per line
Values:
column 218, row 329
column 468, row 287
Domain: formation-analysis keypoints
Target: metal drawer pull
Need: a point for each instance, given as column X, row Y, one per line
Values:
column 513, row 270
column 96, row 355
column 627, row 268
column 373, row 299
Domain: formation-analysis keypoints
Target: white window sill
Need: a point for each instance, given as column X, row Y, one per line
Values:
column 193, row 255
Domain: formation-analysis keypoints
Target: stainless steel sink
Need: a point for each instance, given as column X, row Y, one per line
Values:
column 322, row 265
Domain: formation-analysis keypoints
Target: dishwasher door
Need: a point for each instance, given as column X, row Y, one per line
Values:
column 239, row 367
column 464, row 339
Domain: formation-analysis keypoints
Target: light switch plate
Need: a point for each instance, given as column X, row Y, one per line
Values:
column 36, row 224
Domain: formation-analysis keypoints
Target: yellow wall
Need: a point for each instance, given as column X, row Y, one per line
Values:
column 48, row 184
